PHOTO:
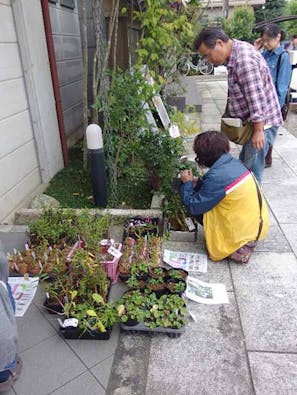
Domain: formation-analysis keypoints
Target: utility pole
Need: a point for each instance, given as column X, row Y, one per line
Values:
column 225, row 8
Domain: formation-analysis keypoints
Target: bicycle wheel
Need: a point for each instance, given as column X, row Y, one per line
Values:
column 183, row 66
column 204, row 67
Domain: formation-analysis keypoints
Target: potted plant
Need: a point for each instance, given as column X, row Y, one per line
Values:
column 140, row 270
column 95, row 318
column 177, row 274
column 168, row 312
column 154, row 250
column 133, row 282
column 157, row 272
column 126, row 259
column 176, row 286
column 131, row 308
column 157, row 285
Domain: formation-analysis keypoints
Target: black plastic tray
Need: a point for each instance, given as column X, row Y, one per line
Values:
column 143, row 328
column 76, row 333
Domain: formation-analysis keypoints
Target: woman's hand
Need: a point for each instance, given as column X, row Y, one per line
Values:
column 258, row 43
column 186, row 175
column 195, row 180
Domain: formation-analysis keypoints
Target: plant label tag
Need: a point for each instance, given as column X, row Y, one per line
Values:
column 190, row 224
column 174, row 131
column 113, row 251
column 70, row 322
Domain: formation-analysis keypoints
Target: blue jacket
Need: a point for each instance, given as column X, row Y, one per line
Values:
column 214, row 186
column 285, row 71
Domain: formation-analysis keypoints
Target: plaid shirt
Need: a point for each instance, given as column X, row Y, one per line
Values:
column 252, row 95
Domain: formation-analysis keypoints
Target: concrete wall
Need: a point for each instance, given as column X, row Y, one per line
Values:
column 19, row 167
column 67, row 42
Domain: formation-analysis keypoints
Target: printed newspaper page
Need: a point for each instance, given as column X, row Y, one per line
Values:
column 186, row 260
column 208, row 293
column 23, row 291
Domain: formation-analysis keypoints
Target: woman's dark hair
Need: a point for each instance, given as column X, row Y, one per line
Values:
column 209, row 147
column 272, row 30
column 209, row 36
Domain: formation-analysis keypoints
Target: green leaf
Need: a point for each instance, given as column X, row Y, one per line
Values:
column 91, row 313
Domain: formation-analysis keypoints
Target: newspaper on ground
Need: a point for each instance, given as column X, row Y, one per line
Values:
column 189, row 261
column 23, row 291
column 207, row 293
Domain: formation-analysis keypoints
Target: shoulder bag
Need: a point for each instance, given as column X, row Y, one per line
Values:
column 238, row 134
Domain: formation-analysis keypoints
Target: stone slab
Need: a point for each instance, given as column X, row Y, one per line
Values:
column 47, row 366
column 33, row 328
column 102, row 371
column 25, row 216
column 278, row 171
column 274, row 242
column 267, row 299
column 83, row 384
column 209, row 358
column 274, row 374
column 91, row 352
column 290, row 231
column 282, row 203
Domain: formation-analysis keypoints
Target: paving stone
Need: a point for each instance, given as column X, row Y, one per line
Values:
column 91, row 352
column 274, row 242
column 33, row 328
column 274, row 374
column 278, row 171
column 209, row 358
column 290, row 231
column 83, row 384
column 102, row 370
column 267, row 300
column 282, row 203
column 47, row 366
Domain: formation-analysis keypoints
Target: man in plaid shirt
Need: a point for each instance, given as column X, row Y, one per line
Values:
column 251, row 92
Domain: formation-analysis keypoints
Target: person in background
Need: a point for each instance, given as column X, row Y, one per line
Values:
column 227, row 201
column 279, row 64
column 10, row 363
column 292, row 44
column 251, row 92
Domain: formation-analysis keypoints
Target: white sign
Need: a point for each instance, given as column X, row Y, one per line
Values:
column 23, row 291
column 206, row 293
column 186, row 260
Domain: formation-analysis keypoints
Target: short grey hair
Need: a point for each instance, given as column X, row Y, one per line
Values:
column 209, row 37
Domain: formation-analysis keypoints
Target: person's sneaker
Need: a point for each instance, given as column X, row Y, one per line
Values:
column 14, row 375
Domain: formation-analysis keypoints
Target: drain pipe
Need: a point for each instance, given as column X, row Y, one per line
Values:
column 55, row 80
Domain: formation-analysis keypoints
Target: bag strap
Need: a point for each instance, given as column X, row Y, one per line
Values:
column 260, row 204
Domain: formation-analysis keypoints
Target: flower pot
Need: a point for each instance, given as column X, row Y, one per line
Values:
column 131, row 322
column 159, row 289
column 124, row 276
column 173, row 273
column 52, row 306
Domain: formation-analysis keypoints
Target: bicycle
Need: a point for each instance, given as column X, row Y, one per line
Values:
column 202, row 66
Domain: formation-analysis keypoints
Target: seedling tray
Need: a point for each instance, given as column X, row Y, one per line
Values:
column 77, row 333
column 174, row 333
